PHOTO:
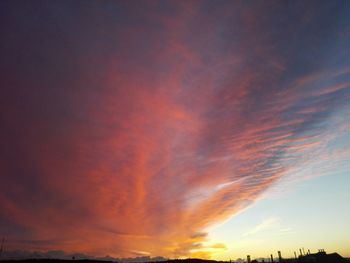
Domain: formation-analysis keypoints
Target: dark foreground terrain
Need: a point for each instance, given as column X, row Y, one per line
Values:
column 311, row 258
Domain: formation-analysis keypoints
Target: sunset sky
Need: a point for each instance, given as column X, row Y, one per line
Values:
column 210, row 129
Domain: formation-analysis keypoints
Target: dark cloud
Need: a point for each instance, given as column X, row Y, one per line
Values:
column 132, row 128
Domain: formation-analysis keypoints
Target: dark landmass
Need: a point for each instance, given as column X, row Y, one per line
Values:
column 320, row 257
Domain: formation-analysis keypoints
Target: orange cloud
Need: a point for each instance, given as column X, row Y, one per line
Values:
column 152, row 128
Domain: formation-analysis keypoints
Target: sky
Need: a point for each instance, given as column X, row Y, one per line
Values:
column 210, row 129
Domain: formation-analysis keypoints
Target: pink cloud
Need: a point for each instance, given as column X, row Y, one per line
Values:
column 150, row 143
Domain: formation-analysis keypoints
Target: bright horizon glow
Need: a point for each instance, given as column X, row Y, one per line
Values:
column 267, row 227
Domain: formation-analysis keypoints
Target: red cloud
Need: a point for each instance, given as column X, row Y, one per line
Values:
column 148, row 143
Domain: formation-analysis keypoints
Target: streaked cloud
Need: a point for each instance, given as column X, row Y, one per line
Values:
column 135, row 128
column 218, row 246
column 270, row 226
column 264, row 225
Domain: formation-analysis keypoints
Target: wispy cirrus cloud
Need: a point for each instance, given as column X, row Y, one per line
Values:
column 264, row 225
